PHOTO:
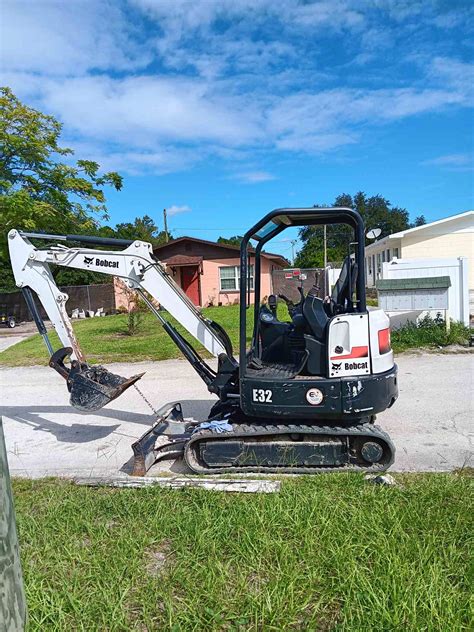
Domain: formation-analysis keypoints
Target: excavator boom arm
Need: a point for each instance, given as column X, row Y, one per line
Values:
column 135, row 265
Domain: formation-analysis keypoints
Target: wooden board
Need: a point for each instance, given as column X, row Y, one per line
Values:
column 216, row 484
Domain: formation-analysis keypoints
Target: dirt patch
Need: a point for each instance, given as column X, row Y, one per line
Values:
column 158, row 559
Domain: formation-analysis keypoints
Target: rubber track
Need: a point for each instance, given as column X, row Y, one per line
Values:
column 370, row 431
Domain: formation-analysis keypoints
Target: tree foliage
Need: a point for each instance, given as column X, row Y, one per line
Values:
column 41, row 187
column 235, row 240
column 143, row 228
column 376, row 211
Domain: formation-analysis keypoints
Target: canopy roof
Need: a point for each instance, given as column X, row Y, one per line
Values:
column 287, row 217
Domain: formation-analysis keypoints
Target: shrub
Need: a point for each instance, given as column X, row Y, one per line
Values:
column 135, row 315
column 429, row 332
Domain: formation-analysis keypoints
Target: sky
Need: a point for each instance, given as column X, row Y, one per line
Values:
column 221, row 110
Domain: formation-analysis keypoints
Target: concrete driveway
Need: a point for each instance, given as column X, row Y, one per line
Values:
column 430, row 424
column 9, row 337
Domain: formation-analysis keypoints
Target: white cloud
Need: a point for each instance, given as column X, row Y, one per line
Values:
column 458, row 162
column 254, row 177
column 458, row 75
column 328, row 119
column 144, row 110
column 183, row 15
column 67, row 38
column 175, row 210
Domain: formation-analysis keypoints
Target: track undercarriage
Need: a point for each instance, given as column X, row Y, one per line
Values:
column 260, row 446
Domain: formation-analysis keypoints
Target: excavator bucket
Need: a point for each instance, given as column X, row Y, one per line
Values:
column 94, row 387
column 91, row 387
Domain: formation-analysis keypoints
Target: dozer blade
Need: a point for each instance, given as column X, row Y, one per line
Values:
column 166, row 438
column 91, row 387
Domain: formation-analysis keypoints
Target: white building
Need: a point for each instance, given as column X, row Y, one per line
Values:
column 448, row 238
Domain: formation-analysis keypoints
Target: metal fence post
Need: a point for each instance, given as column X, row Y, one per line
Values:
column 88, row 297
column 464, row 290
column 12, row 595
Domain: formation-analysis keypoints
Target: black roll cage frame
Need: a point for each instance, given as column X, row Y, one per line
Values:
column 285, row 218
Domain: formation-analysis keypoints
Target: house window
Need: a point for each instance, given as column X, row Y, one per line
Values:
column 369, row 264
column 383, row 256
column 395, row 253
column 229, row 278
column 388, row 254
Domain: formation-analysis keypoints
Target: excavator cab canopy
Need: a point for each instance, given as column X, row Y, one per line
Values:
column 275, row 223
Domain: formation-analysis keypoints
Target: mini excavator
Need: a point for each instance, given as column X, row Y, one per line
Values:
column 301, row 398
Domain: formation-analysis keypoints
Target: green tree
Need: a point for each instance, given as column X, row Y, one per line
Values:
column 419, row 221
column 231, row 241
column 143, row 228
column 376, row 211
column 41, row 187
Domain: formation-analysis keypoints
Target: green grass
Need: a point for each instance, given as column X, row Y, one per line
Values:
column 329, row 552
column 105, row 340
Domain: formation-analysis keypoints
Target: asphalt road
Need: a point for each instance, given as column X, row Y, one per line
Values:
column 430, row 424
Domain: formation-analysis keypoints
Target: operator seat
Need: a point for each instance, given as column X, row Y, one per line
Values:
column 315, row 340
column 314, row 314
column 341, row 296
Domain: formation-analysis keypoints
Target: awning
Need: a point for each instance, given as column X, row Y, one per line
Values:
column 177, row 261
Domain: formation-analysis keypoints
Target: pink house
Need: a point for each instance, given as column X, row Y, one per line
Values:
column 208, row 272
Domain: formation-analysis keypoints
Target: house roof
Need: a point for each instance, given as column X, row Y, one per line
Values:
column 268, row 255
column 421, row 229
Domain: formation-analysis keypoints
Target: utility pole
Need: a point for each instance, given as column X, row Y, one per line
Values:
column 325, row 248
column 165, row 221
column 326, row 288
column 293, row 243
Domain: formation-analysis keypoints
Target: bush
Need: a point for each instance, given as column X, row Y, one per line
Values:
column 429, row 332
column 135, row 316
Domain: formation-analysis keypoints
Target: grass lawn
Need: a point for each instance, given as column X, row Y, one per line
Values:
column 105, row 340
column 329, row 552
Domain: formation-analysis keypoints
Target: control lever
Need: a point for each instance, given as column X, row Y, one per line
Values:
column 288, row 301
column 272, row 304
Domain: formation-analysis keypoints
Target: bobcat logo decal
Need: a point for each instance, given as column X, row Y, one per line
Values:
column 336, row 366
column 88, row 260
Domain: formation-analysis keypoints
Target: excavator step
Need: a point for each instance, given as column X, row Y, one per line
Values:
column 290, row 448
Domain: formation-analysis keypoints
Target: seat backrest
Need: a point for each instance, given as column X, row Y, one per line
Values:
column 315, row 316
column 344, row 288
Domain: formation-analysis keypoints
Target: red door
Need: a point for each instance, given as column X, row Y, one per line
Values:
column 190, row 283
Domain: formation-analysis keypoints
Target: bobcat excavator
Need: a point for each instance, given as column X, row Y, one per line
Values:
column 302, row 398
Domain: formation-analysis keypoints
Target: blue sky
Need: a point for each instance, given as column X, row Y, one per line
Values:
column 224, row 109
